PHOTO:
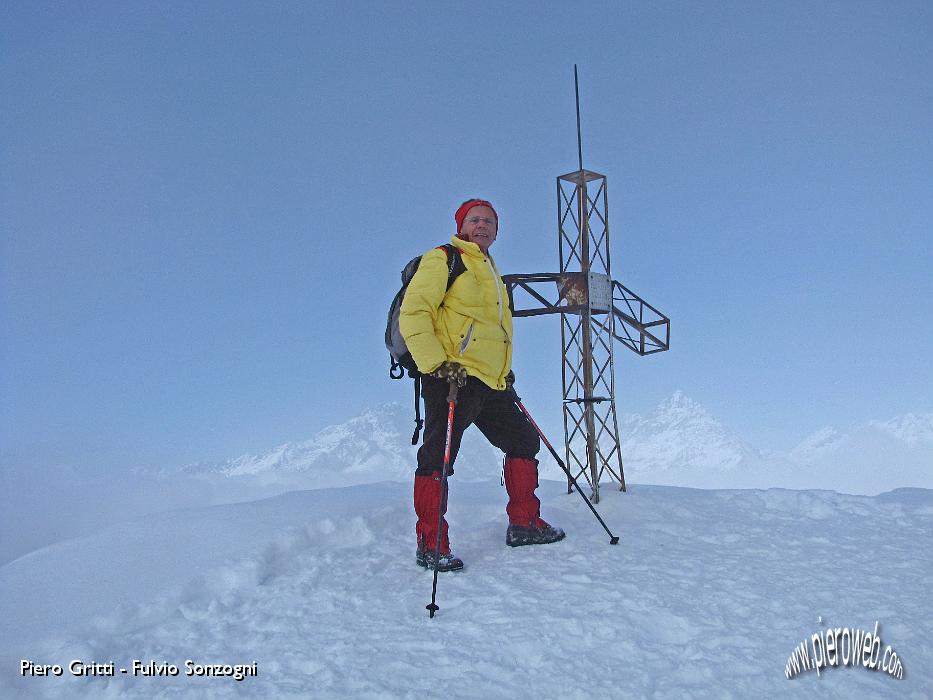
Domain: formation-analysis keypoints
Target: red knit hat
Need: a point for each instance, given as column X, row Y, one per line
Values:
column 469, row 204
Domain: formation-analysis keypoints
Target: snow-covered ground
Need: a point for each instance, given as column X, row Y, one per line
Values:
column 301, row 561
column 707, row 595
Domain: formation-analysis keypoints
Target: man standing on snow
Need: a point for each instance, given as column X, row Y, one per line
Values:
column 464, row 334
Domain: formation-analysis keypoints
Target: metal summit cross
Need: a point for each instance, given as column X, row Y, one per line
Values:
column 594, row 309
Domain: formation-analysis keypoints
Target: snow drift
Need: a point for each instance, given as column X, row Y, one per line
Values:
column 706, row 596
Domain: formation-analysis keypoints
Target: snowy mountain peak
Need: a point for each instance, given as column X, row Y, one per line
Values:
column 679, row 402
column 373, row 446
column 911, row 428
column 680, row 409
column 820, row 443
column 912, row 432
column 372, row 442
column 680, row 434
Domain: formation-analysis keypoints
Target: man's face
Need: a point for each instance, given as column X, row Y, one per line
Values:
column 480, row 227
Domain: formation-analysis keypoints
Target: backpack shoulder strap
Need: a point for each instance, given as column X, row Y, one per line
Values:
column 419, row 421
column 455, row 265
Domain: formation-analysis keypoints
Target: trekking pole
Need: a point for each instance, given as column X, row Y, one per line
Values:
column 451, row 402
column 518, row 402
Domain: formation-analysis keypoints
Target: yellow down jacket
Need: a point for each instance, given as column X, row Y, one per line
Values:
column 470, row 324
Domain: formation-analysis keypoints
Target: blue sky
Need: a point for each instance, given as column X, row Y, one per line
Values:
column 205, row 206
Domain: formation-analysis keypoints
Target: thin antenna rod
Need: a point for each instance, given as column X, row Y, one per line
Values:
column 576, row 88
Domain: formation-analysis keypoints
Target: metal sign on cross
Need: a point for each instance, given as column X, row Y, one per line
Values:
column 595, row 310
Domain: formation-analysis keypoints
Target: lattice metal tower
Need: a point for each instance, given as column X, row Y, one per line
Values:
column 594, row 309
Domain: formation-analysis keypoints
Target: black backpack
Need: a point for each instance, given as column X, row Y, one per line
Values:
column 399, row 357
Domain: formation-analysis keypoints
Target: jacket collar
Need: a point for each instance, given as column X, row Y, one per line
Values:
column 469, row 248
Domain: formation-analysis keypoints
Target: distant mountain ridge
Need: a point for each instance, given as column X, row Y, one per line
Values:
column 370, row 441
column 374, row 446
column 681, row 443
column 913, row 429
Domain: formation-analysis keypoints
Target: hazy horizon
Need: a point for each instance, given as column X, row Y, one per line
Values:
column 204, row 210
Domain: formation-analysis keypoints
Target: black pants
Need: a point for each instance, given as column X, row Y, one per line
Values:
column 493, row 412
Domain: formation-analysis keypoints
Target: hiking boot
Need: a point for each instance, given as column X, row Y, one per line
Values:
column 524, row 508
column 427, row 503
column 534, row 533
column 447, row 562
